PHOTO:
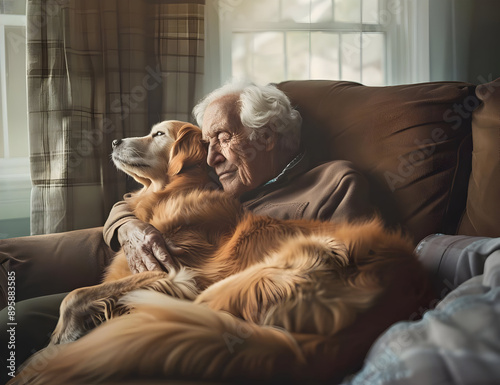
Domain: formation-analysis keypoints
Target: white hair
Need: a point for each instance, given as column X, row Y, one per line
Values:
column 262, row 108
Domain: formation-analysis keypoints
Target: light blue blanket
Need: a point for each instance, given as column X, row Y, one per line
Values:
column 456, row 343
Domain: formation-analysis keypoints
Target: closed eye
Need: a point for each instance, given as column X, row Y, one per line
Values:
column 224, row 138
column 221, row 138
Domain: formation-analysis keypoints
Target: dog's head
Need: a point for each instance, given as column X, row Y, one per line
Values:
column 170, row 148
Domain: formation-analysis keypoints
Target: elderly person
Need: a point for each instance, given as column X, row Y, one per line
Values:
column 253, row 137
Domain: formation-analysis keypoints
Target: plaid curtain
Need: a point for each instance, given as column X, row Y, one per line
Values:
column 100, row 70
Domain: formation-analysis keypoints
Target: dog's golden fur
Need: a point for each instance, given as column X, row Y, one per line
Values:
column 255, row 297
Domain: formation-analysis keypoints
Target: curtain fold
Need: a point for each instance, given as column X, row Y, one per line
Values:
column 100, row 70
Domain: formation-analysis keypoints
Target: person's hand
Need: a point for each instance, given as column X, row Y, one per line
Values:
column 144, row 247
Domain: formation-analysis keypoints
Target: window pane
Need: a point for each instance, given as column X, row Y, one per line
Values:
column 306, row 11
column 242, row 57
column 321, row 11
column 348, row 11
column 297, row 52
column 259, row 57
column 373, row 59
column 324, row 55
column 258, row 10
column 13, row 7
column 296, row 10
column 335, row 48
column 351, row 56
column 269, row 57
column 370, row 11
column 1, row 123
column 17, row 108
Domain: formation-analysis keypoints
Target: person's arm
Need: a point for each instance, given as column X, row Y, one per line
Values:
column 350, row 200
column 119, row 215
column 142, row 243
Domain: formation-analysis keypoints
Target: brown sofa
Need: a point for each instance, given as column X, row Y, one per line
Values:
column 430, row 151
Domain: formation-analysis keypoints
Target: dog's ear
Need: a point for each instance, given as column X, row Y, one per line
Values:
column 187, row 151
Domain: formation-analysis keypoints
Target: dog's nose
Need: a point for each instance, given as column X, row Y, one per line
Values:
column 116, row 143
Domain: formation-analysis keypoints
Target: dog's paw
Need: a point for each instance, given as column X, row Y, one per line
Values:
column 80, row 313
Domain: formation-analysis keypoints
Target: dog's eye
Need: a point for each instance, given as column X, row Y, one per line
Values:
column 158, row 133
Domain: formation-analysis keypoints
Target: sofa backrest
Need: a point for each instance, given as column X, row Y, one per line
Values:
column 413, row 142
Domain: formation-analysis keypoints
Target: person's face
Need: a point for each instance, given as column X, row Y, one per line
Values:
column 241, row 164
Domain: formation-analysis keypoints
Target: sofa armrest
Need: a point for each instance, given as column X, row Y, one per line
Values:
column 52, row 263
column 453, row 259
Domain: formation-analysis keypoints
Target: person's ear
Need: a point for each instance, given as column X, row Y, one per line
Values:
column 270, row 139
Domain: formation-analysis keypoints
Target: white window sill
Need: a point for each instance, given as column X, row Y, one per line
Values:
column 15, row 188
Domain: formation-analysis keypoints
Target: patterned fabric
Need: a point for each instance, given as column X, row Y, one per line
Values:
column 100, row 70
column 456, row 343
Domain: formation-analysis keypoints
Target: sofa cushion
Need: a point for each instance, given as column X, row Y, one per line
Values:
column 482, row 215
column 411, row 141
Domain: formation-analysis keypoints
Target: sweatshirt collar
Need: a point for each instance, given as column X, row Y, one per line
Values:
column 297, row 165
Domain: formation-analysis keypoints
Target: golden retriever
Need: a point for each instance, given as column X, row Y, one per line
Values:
column 248, row 297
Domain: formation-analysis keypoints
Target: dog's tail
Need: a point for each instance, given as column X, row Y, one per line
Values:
column 169, row 338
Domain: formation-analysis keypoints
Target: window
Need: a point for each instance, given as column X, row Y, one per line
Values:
column 15, row 184
column 367, row 41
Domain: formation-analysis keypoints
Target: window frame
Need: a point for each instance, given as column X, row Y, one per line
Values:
column 339, row 28
column 15, row 178
column 406, row 29
column 6, row 21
